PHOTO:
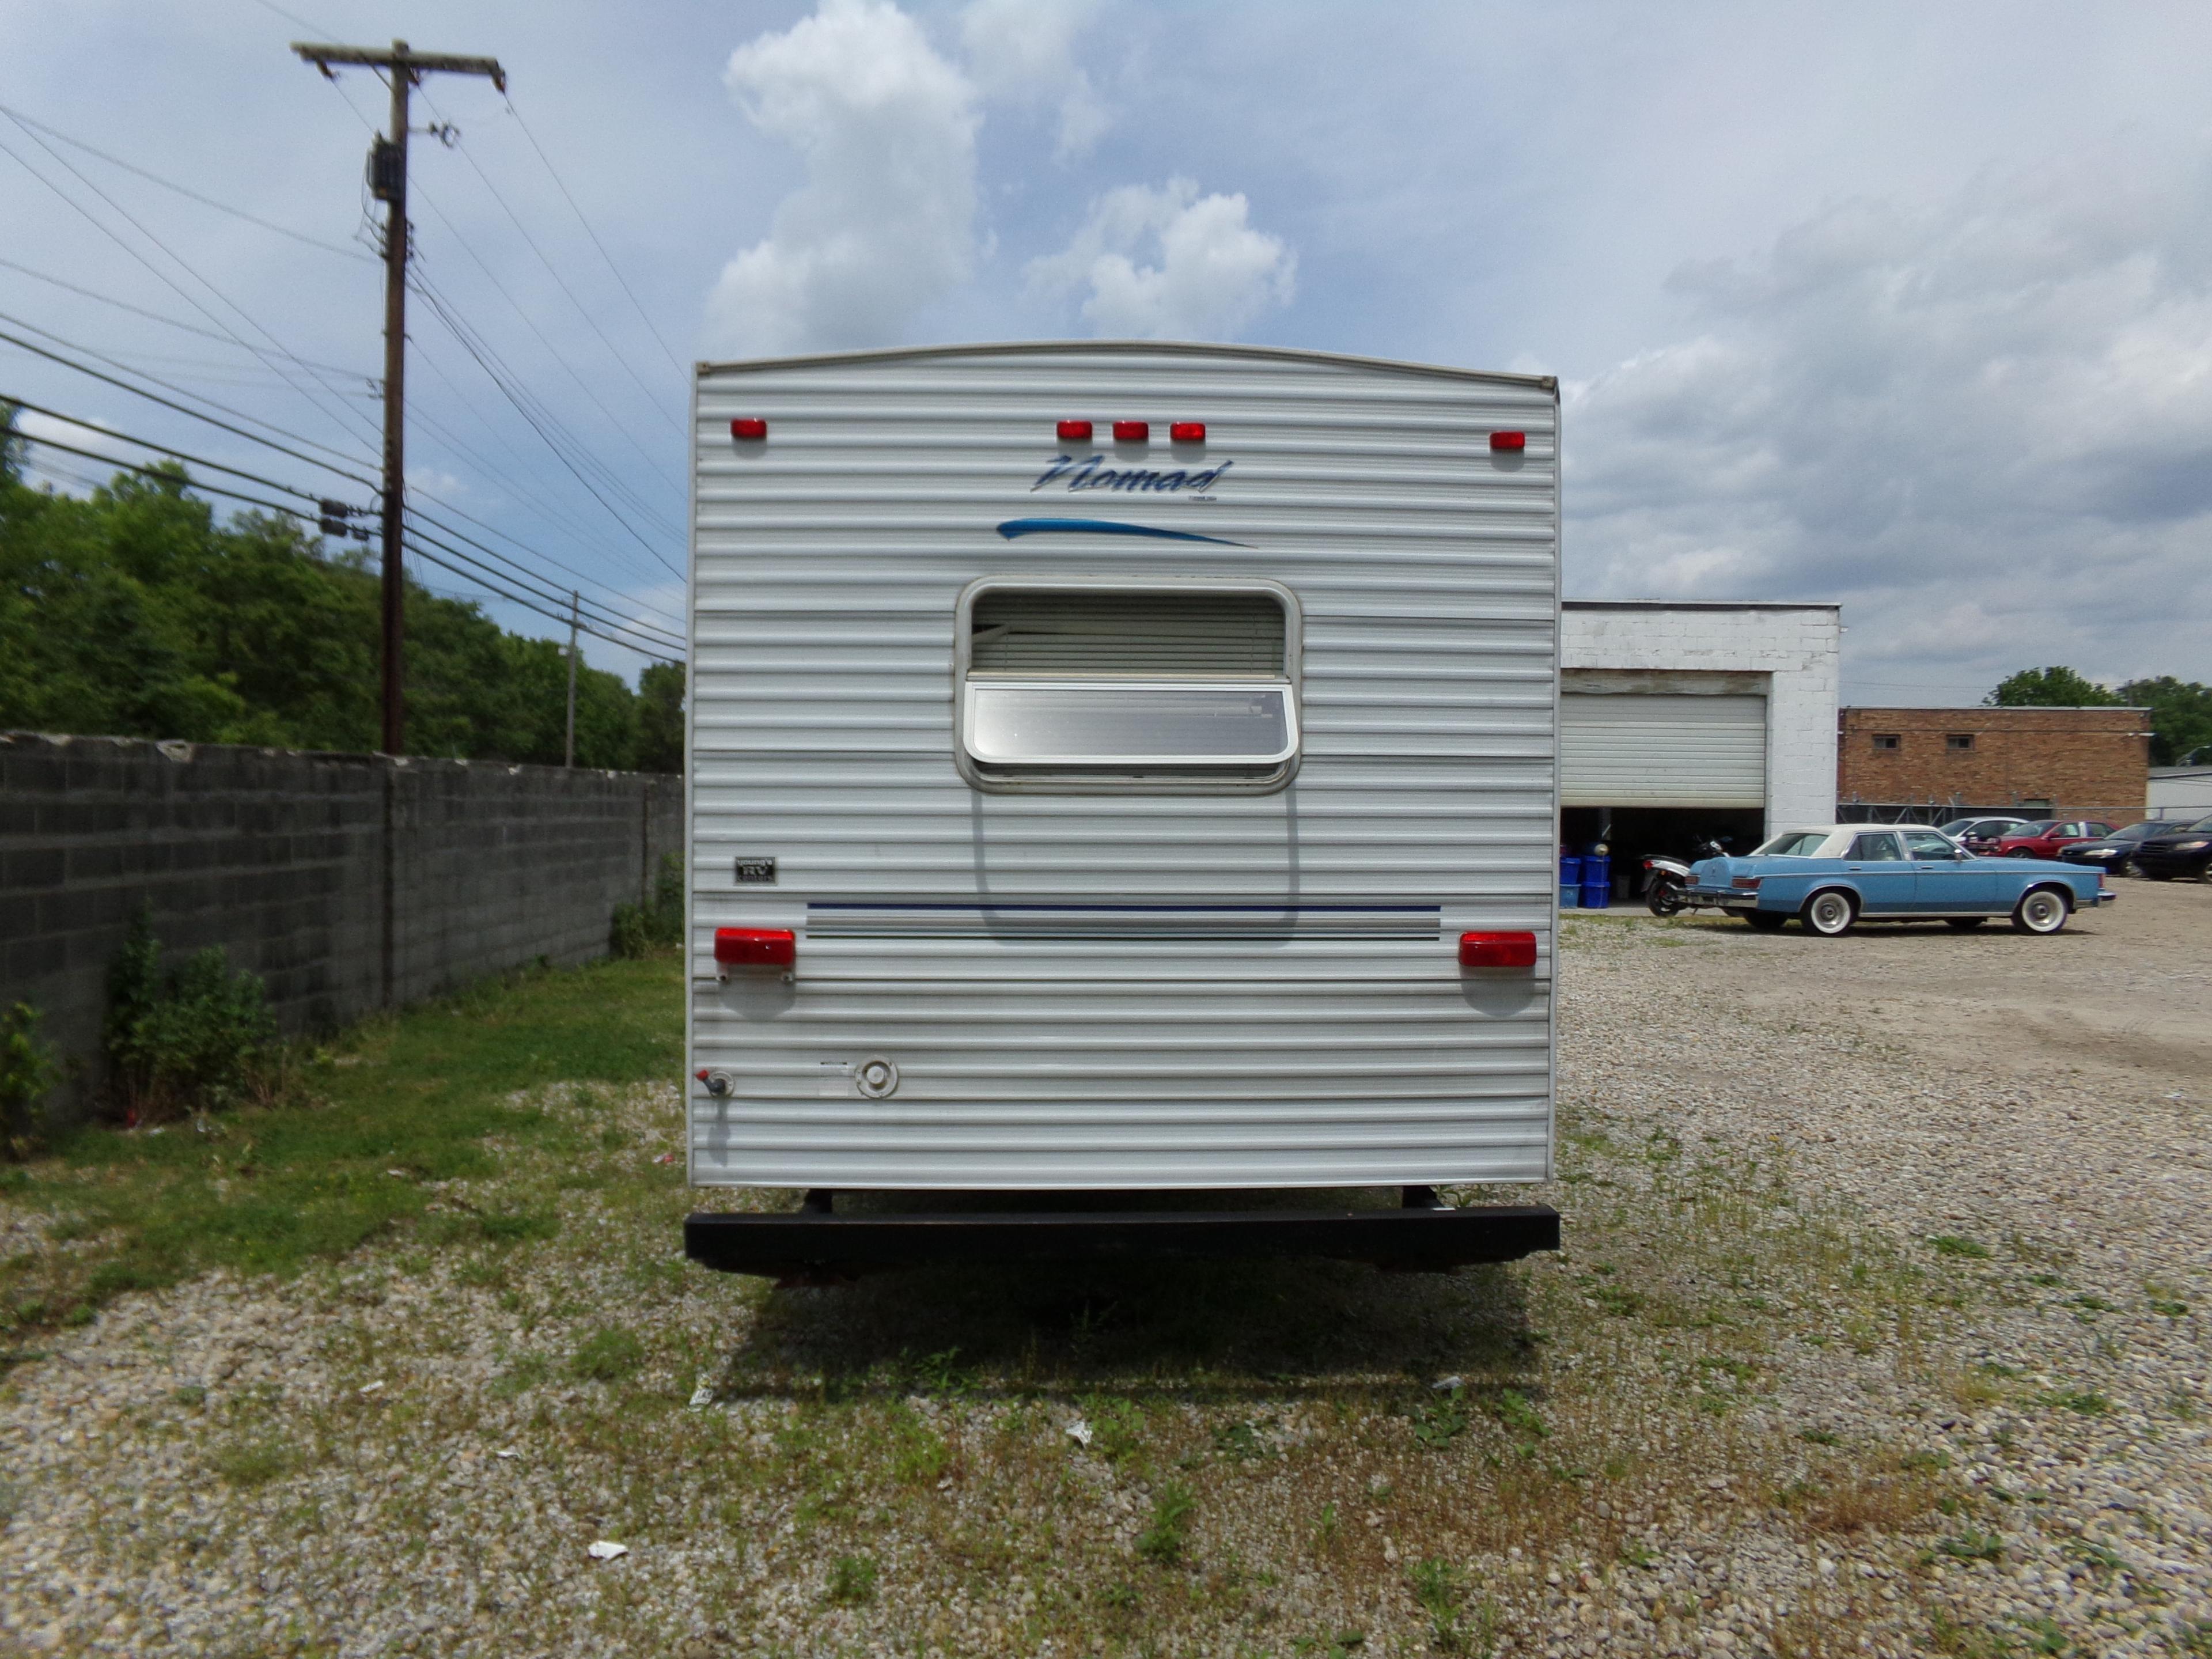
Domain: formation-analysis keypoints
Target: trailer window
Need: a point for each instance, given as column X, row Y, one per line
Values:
column 1092, row 682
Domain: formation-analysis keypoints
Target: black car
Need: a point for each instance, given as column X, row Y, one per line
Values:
column 2184, row 850
column 2112, row 854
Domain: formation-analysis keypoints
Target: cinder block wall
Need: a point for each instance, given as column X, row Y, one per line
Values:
column 348, row 883
column 2088, row 763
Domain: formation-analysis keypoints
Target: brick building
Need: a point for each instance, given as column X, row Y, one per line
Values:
column 2039, row 763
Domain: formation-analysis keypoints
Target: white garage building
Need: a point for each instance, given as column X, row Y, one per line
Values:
column 1684, row 718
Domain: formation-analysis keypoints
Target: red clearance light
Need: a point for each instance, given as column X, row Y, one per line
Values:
column 1075, row 432
column 755, row 947
column 1509, row 440
column 1132, row 432
column 1187, row 431
column 1498, row 950
column 746, row 427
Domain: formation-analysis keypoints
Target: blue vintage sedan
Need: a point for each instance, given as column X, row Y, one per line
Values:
column 1834, row 876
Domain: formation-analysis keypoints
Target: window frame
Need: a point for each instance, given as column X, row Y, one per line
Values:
column 1886, row 742
column 1122, row 775
column 1958, row 742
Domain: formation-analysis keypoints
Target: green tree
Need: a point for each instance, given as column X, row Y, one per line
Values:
column 660, row 718
column 2049, row 687
column 2180, row 718
column 133, row 613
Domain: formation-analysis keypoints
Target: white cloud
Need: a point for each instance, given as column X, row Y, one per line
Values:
column 1212, row 272
column 884, row 223
column 1986, row 426
column 1025, row 51
column 75, row 434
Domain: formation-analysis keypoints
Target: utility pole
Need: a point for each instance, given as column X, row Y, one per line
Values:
column 575, row 601
column 387, row 182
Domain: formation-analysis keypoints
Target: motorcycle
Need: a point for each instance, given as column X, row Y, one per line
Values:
column 1667, row 880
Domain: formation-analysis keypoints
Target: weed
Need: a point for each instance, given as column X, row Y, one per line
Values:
column 1973, row 1547
column 1239, row 1441
column 192, row 1039
column 254, row 1463
column 27, row 1075
column 1168, row 1536
column 1326, row 1528
column 2044, row 1636
column 191, row 1393
column 1637, row 1555
column 2087, row 1403
column 1116, row 1427
column 937, row 1374
column 1511, row 1407
column 852, row 1581
column 2168, row 1308
column 1442, row 1421
column 1120, row 1597
column 1951, row 1244
column 1817, row 1437
column 640, row 930
column 527, row 1372
column 2097, row 1555
column 1441, row 1590
column 608, row 1355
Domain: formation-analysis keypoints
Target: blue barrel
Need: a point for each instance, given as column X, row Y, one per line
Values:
column 1570, row 870
column 1569, row 897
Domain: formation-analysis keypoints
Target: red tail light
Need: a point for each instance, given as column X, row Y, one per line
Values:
column 1498, row 950
column 1509, row 440
column 1075, row 432
column 1132, row 432
column 748, row 428
column 1187, row 432
column 755, row 947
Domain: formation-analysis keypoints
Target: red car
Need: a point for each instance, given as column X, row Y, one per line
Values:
column 2043, row 841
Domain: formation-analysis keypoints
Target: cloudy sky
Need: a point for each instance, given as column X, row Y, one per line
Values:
column 1904, row 306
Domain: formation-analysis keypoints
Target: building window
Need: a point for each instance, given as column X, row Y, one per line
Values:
column 1093, row 682
column 1958, row 740
column 1885, row 740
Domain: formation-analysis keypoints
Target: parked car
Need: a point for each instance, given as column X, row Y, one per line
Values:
column 1833, row 875
column 2043, row 841
column 2111, row 853
column 1975, row 834
column 2184, row 850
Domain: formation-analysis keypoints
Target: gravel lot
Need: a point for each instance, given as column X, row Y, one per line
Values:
column 1877, row 1332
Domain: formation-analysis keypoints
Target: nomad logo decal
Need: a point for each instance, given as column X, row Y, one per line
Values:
column 1014, row 528
column 1095, row 474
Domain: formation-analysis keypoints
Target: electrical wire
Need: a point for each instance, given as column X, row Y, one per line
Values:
column 598, row 613
column 531, row 322
column 594, row 236
column 178, row 259
column 241, row 432
column 505, row 559
column 157, row 472
column 171, row 322
column 561, row 617
column 22, row 120
column 440, row 311
column 559, row 281
column 524, row 574
column 147, row 443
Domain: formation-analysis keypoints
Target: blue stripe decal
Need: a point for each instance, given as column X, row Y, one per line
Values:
column 1014, row 528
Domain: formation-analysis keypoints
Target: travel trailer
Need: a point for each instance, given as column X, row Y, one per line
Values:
column 1120, row 769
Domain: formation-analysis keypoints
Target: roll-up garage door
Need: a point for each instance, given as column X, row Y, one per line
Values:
column 1635, row 749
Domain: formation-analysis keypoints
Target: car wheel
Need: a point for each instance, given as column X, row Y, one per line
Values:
column 2021, row 852
column 2040, row 911
column 1765, row 920
column 1830, row 913
column 1964, row 924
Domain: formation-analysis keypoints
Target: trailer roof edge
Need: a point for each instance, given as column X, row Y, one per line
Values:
column 703, row 367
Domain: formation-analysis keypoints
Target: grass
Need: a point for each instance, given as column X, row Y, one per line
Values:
column 382, row 1112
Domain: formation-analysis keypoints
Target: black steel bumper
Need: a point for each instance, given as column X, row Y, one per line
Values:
column 817, row 1245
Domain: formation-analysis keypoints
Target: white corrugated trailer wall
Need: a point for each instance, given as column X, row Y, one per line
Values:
column 827, row 562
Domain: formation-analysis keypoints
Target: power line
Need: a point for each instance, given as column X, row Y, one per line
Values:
column 22, row 120
column 594, row 236
column 536, row 553
column 560, row 282
column 55, row 356
column 147, row 443
column 524, row 580
column 531, row 322
column 130, row 219
column 173, row 322
column 157, row 472
column 554, row 616
column 440, row 311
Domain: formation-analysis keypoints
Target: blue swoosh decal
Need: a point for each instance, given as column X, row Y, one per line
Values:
column 1014, row 528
